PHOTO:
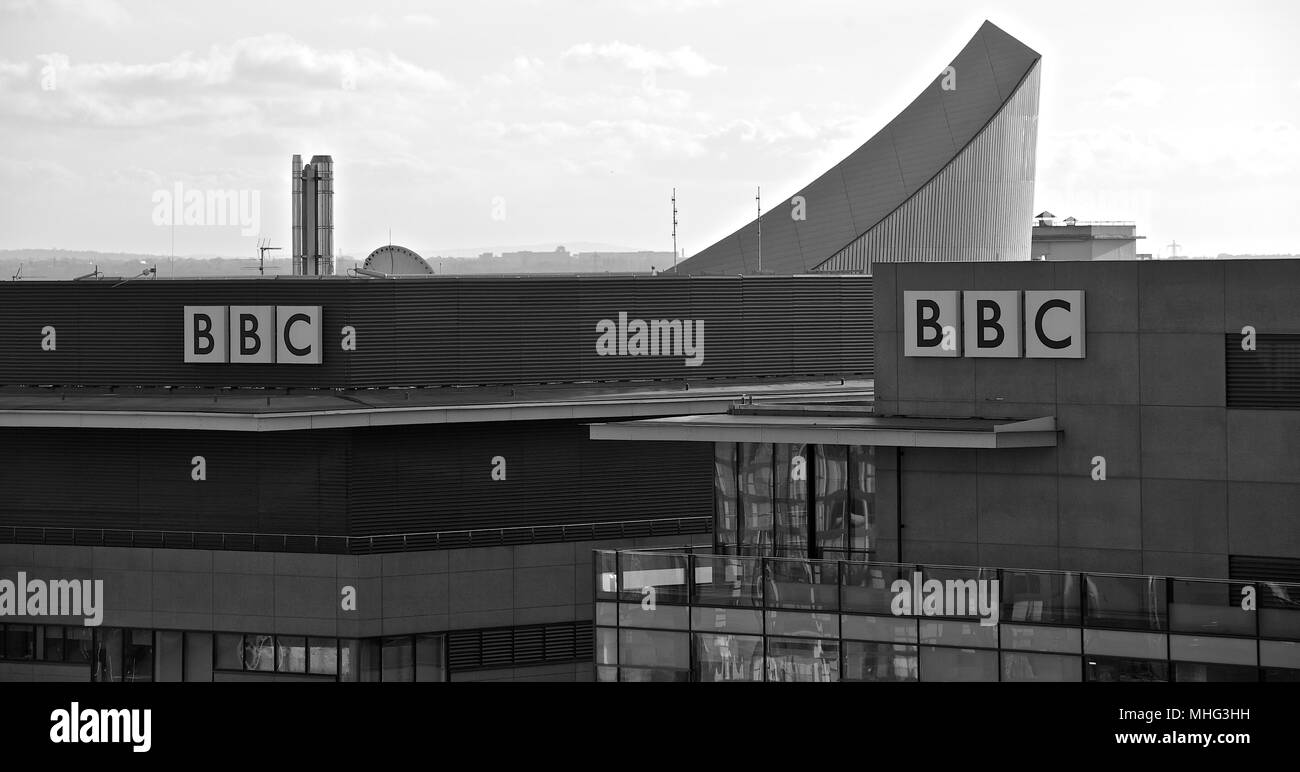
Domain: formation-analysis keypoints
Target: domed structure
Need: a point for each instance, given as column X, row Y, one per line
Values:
column 397, row 261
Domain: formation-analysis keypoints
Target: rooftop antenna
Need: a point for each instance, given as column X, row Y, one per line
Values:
column 674, row 230
column 94, row 274
column 1173, row 248
column 262, row 248
column 19, row 274
column 758, row 198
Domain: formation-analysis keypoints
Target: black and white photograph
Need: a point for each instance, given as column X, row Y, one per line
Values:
column 656, row 342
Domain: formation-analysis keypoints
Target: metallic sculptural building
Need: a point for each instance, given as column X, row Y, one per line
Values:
column 951, row 178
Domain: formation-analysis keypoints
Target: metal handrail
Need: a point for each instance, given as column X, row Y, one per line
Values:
column 344, row 544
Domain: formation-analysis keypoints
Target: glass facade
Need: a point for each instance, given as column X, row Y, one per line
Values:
column 117, row 654
column 796, row 500
column 686, row 615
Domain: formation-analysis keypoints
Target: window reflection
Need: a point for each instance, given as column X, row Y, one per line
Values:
column 755, row 498
column 802, row 660
column 832, row 505
column 728, row 657
column 865, row 661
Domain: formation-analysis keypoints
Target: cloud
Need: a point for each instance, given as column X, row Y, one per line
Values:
column 243, row 79
column 522, row 69
column 1135, row 91
column 683, row 60
column 420, row 20
column 107, row 13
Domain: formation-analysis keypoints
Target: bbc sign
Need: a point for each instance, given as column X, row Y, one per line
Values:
column 1036, row 324
column 253, row 334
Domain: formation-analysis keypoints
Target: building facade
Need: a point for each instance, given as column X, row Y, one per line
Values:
column 1132, row 485
column 352, row 479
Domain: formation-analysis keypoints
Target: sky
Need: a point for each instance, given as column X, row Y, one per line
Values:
column 455, row 125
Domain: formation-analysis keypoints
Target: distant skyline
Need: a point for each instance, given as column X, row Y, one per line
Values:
column 558, row 122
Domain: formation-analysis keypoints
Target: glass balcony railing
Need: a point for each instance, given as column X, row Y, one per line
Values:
column 683, row 615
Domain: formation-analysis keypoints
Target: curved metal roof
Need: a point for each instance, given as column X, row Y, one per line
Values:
column 863, row 189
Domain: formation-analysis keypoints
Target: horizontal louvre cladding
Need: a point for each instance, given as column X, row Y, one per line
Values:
column 770, row 315
column 1248, row 568
column 440, row 478
column 857, row 326
column 815, row 315
column 522, row 646
column 432, row 332
column 1267, row 378
column 281, row 482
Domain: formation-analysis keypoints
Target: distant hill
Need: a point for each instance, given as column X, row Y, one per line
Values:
column 62, row 264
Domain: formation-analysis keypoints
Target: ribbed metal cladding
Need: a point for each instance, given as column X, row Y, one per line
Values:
column 504, row 647
column 1267, row 378
column 256, row 482
column 439, row 478
column 1261, row 568
column 432, row 332
column 978, row 208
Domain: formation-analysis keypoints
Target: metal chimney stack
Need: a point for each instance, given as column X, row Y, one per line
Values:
column 313, row 216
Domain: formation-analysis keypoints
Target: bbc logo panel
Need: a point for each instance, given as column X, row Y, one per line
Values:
column 253, row 334
column 1006, row 324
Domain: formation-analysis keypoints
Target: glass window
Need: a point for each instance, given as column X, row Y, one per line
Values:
column 952, row 633
column 791, row 500
column 107, row 666
column 653, row 674
column 804, row 623
column 1229, row 651
column 79, row 644
column 137, row 653
column 832, row 505
column 198, row 656
column 259, row 652
column 606, row 646
column 1275, row 674
column 755, row 470
column 968, row 593
column 802, row 660
column 53, row 644
column 1066, row 640
column 170, row 654
column 667, row 617
column 1136, row 602
column 868, row 587
column 1209, row 607
column 349, row 657
column 725, row 499
column 368, row 660
column 20, row 641
column 1279, row 610
column 728, row 657
column 291, row 656
column 1196, row 672
column 654, row 649
column 862, row 500
column 230, row 651
column 607, row 674
column 1116, row 643
column 322, row 656
column 1117, row 669
column 606, row 574
column 727, row 620
column 665, row 572
column 865, row 661
column 941, row 664
column 1041, row 597
column 728, row 581
column 1279, row 654
column 811, row 584
column 398, row 660
column 430, row 661
column 1031, row 666
column 890, row 629
column 607, row 614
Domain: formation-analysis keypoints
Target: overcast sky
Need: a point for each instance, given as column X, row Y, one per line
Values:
column 483, row 123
